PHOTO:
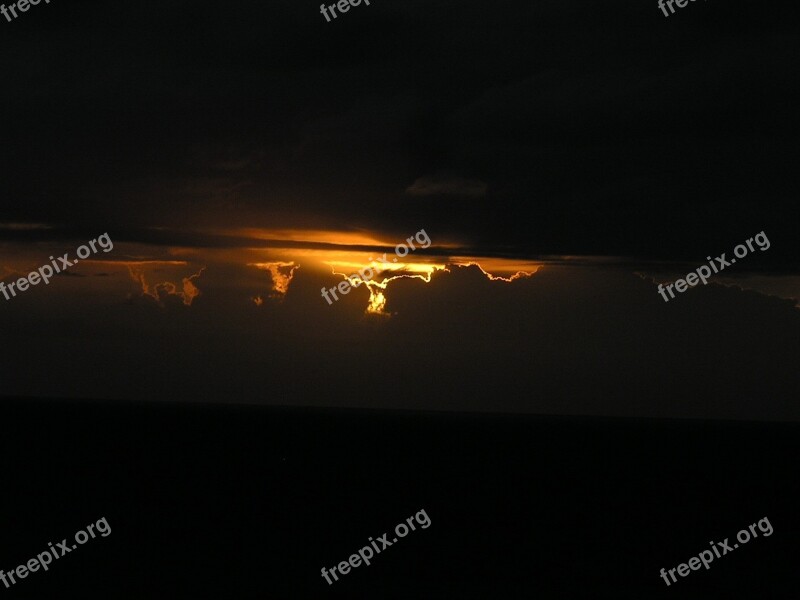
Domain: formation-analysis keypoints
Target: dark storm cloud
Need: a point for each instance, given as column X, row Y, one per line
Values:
column 432, row 186
column 565, row 341
column 157, row 243
column 598, row 128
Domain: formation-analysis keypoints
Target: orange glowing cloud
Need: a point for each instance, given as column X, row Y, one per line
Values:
column 377, row 287
column 513, row 269
column 281, row 273
column 187, row 293
column 385, row 272
column 281, row 252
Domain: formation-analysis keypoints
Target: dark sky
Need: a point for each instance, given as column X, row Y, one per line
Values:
column 514, row 129
column 239, row 160
column 550, row 127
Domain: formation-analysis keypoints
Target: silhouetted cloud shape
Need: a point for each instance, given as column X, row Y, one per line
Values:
column 564, row 341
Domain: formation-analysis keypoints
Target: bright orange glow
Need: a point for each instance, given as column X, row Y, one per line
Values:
column 296, row 237
column 188, row 292
column 342, row 253
column 125, row 263
column 307, row 235
column 377, row 302
column 418, row 268
column 499, row 265
column 281, row 272
column 377, row 281
column 377, row 285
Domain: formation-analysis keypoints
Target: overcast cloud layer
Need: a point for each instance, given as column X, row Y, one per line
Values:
column 555, row 127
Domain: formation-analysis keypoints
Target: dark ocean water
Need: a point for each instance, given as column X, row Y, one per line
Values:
column 251, row 502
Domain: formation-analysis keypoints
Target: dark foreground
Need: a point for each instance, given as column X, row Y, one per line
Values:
column 246, row 502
